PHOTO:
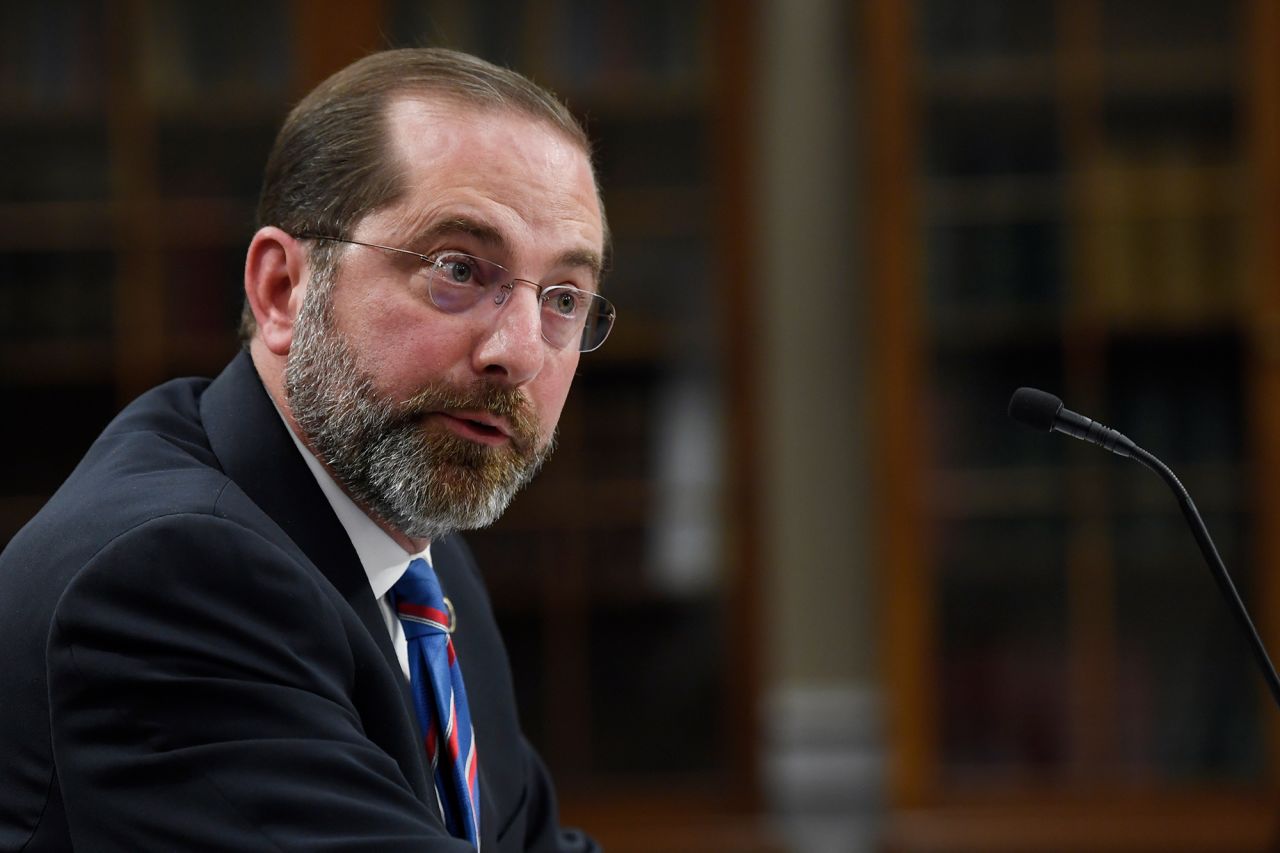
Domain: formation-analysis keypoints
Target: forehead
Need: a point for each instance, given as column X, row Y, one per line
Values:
column 520, row 174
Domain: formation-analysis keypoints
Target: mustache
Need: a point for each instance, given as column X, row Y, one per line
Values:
column 498, row 400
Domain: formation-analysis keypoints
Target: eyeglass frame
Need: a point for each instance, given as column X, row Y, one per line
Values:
column 607, row 311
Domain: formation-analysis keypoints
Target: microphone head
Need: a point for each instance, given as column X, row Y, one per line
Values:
column 1035, row 408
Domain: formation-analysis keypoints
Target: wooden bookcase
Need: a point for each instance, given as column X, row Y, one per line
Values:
column 624, row 578
column 1079, row 196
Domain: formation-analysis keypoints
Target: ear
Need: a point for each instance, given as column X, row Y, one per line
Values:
column 274, row 271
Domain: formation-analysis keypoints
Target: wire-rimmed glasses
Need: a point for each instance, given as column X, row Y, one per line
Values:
column 458, row 282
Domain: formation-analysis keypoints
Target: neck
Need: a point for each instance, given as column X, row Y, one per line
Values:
column 408, row 543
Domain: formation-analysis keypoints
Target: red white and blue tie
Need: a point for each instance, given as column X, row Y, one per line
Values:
column 440, row 698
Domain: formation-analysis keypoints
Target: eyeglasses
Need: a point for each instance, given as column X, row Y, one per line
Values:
column 458, row 282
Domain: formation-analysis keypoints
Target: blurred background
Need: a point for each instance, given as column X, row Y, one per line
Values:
column 793, row 580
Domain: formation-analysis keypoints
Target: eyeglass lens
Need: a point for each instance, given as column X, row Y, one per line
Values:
column 459, row 282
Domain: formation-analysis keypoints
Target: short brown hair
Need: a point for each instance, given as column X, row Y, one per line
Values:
column 330, row 164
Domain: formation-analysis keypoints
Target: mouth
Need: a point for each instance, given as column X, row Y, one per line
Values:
column 480, row 427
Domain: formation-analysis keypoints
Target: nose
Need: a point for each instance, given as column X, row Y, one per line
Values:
column 512, row 347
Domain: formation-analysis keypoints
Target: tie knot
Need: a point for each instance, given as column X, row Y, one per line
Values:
column 420, row 603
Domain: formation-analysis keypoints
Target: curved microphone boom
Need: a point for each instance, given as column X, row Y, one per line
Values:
column 1041, row 410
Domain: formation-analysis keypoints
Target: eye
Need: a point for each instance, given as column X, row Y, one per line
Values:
column 458, row 269
column 564, row 302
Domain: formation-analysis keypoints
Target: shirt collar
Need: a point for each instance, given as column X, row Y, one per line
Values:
column 383, row 559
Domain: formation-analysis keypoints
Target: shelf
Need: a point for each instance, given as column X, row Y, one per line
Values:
column 634, row 341
column 1082, row 186
column 1181, row 72
column 995, row 198
column 241, row 106
column 205, row 222
column 18, row 110
column 1215, row 488
column 615, row 597
column 54, row 362
column 1115, row 818
column 637, row 97
column 574, row 508
column 201, row 353
column 1114, row 190
column 991, row 78
column 968, row 326
column 658, row 211
column 41, row 226
column 998, row 493
column 1149, row 319
column 74, row 226
column 1035, row 490
column 1161, row 183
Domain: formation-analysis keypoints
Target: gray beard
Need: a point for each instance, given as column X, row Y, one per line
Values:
column 425, row 483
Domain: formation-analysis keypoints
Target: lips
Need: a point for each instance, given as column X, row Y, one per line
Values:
column 482, row 427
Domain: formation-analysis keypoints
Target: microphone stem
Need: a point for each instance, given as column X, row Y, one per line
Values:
column 1216, row 567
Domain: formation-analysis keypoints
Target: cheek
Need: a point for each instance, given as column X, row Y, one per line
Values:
column 403, row 352
column 405, row 332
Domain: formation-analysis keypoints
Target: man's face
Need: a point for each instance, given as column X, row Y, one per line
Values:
column 432, row 421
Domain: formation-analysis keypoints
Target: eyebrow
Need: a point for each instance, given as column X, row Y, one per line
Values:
column 474, row 228
column 493, row 239
column 583, row 258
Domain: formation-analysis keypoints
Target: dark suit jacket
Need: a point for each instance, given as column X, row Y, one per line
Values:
column 193, row 658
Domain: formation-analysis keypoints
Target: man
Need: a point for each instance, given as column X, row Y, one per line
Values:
column 228, row 629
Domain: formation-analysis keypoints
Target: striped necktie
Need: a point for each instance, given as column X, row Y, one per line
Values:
column 439, row 697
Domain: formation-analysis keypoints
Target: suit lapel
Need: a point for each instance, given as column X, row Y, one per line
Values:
column 253, row 444
column 254, row 447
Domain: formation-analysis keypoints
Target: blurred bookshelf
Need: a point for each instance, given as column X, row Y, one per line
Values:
column 1073, row 202
column 137, row 131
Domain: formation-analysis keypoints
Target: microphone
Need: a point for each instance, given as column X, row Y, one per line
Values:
column 1043, row 411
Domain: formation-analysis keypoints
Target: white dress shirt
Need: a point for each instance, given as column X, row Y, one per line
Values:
column 383, row 559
